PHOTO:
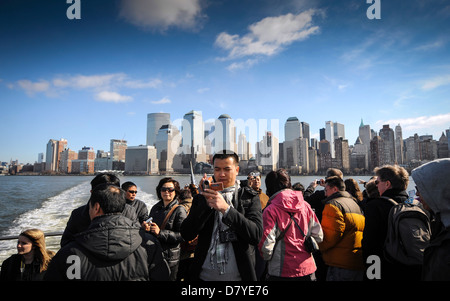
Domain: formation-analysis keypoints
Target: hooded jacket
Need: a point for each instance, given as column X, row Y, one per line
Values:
column 288, row 257
column 431, row 180
column 113, row 248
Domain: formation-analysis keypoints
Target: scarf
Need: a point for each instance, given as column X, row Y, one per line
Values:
column 219, row 252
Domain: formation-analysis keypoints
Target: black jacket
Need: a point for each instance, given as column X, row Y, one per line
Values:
column 113, row 248
column 376, row 212
column 245, row 219
column 141, row 209
column 79, row 221
column 170, row 238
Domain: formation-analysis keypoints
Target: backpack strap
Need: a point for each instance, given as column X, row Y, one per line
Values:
column 284, row 231
column 168, row 215
column 389, row 199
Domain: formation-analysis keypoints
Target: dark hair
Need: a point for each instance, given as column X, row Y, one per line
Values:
column 127, row 185
column 163, row 181
column 225, row 154
column 276, row 181
column 352, row 187
column 110, row 198
column 331, row 172
column 371, row 189
column 103, row 178
column 299, row 187
column 335, row 181
column 397, row 175
column 185, row 194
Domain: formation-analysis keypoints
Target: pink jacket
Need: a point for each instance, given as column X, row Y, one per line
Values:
column 288, row 257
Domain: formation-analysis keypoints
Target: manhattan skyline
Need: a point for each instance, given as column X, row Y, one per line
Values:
column 93, row 79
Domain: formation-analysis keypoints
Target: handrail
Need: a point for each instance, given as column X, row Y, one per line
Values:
column 45, row 235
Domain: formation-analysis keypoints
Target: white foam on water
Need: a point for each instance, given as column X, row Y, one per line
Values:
column 52, row 216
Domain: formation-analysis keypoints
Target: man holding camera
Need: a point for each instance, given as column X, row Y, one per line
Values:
column 228, row 224
column 254, row 181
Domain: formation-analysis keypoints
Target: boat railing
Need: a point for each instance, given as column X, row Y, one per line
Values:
column 49, row 234
column 46, row 235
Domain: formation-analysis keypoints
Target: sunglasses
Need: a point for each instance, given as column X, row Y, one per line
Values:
column 132, row 191
column 164, row 189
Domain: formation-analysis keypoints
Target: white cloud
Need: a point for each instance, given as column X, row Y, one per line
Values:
column 269, row 36
column 436, row 82
column 99, row 84
column 33, row 87
column 162, row 14
column 89, row 81
column 161, row 101
column 107, row 96
column 419, row 123
column 142, row 84
column 242, row 65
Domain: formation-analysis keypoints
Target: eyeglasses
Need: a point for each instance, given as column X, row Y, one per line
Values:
column 132, row 191
column 165, row 189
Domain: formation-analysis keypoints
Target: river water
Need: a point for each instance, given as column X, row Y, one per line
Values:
column 45, row 202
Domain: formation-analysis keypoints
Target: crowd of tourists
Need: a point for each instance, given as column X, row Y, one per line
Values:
column 237, row 232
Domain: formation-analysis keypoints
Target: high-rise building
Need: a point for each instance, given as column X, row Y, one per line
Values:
column 398, row 145
column 267, row 152
column 244, row 150
column 168, row 142
column 342, row 159
column 329, row 136
column 225, row 134
column 85, row 162
column 141, row 159
column 117, row 149
column 292, row 129
column 388, row 154
column 154, row 123
column 305, row 132
column 65, row 163
column 54, row 148
column 339, row 130
column 193, row 132
column 365, row 134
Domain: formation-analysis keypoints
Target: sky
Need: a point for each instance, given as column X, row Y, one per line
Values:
column 91, row 71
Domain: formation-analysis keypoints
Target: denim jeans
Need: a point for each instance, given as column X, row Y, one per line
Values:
column 340, row 274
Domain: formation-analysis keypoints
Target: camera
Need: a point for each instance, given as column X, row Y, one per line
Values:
column 318, row 182
column 208, row 184
column 227, row 236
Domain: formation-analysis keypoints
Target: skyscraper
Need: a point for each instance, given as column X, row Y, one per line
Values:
column 398, row 144
column 225, row 134
column 292, row 129
column 192, row 130
column 167, row 145
column 267, row 152
column 388, row 154
column 329, row 136
column 154, row 123
column 54, row 148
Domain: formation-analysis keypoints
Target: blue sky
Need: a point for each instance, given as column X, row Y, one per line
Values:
column 93, row 79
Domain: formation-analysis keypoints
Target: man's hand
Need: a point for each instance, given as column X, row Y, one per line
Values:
column 215, row 200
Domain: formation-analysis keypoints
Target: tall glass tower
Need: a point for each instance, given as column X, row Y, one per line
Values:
column 154, row 122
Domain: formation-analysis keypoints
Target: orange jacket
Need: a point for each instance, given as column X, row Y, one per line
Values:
column 343, row 225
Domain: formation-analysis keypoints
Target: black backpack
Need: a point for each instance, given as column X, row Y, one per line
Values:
column 408, row 234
